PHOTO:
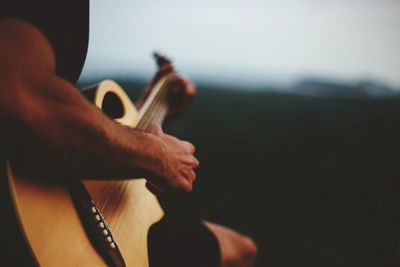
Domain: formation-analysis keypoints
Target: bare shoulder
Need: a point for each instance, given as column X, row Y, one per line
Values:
column 24, row 48
column 26, row 59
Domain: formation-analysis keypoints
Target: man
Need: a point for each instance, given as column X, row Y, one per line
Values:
column 42, row 50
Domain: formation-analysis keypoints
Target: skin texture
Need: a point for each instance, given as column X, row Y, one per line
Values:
column 61, row 126
column 46, row 120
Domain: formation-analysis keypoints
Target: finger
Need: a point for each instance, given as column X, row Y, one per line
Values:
column 186, row 186
column 191, row 161
column 195, row 163
column 154, row 129
column 192, row 176
column 190, row 88
column 189, row 147
column 189, row 175
column 176, row 86
column 182, row 85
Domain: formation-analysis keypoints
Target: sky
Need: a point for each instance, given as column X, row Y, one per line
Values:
column 247, row 41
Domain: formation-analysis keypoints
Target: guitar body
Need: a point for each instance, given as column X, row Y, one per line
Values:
column 50, row 223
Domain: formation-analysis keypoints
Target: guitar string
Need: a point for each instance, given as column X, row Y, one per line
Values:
column 102, row 195
column 125, row 190
column 119, row 195
column 150, row 115
column 154, row 103
column 109, row 193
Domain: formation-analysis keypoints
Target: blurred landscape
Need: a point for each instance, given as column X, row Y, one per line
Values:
column 312, row 174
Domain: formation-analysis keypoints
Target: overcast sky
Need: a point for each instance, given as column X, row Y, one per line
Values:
column 248, row 40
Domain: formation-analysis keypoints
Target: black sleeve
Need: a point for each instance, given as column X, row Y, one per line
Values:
column 65, row 24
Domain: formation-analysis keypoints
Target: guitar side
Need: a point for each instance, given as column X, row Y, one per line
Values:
column 51, row 225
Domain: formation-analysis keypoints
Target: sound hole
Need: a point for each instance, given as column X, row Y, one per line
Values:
column 112, row 106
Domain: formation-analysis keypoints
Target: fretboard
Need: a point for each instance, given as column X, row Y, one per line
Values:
column 155, row 108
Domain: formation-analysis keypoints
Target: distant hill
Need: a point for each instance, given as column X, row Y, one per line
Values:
column 321, row 87
column 306, row 87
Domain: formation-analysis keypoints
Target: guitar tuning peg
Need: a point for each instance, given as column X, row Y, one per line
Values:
column 161, row 59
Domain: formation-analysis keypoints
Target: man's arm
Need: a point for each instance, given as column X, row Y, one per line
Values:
column 47, row 117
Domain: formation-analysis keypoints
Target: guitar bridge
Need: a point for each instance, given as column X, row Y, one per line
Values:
column 102, row 227
column 96, row 226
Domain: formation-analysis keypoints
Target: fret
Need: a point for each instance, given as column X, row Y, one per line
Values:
column 155, row 107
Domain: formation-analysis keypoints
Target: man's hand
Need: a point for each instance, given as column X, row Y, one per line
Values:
column 175, row 171
column 180, row 92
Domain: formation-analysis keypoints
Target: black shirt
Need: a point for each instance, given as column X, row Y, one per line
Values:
column 64, row 23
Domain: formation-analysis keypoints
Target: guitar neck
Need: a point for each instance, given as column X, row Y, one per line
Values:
column 155, row 108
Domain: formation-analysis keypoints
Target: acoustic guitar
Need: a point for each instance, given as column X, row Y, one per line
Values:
column 85, row 223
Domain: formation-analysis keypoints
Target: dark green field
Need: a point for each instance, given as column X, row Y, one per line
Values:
column 314, row 180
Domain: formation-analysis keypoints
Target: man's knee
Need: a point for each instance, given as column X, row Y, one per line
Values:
column 249, row 249
column 244, row 253
column 237, row 250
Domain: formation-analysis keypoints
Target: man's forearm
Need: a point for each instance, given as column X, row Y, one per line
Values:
column 48, row 116
column 90, row 143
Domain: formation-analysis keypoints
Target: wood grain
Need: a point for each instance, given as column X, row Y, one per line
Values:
column 51, row 224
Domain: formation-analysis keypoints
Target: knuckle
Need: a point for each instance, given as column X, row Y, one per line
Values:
column 196, row 163
column 190, row 147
